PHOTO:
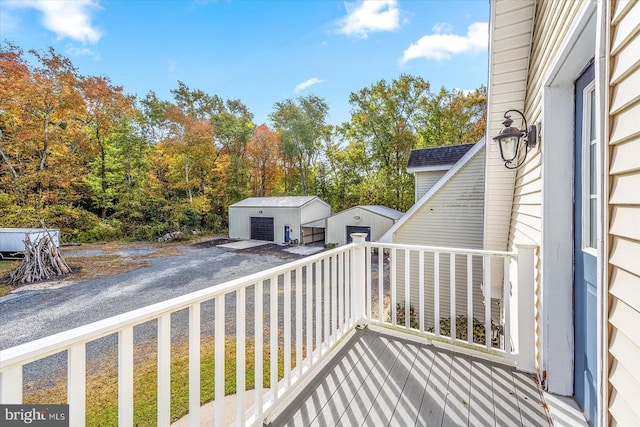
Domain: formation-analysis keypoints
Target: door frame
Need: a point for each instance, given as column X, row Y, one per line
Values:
column 582, row 43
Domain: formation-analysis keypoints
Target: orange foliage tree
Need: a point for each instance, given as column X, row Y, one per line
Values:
column 262, row 152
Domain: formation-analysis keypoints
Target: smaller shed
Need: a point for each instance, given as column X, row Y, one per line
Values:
column 374, row 220
column 276, row 219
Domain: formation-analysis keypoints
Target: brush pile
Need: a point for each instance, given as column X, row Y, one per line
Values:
column 42, row 261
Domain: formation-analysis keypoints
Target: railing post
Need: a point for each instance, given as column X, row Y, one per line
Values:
column 358, row 279
column 526, row 308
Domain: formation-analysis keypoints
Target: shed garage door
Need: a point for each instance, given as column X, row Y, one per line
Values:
column 262, row 228
column 355, row 229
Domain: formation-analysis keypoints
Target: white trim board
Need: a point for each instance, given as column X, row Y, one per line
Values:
column 557, row 200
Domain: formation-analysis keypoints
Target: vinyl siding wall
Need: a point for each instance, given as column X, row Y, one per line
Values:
column 551, row 25
column 452, row 217
column 624, row 211
column 425, row 180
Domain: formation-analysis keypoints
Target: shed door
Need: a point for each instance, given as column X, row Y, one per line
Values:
column 262, row 228
column 358, row 229
column 586, row 244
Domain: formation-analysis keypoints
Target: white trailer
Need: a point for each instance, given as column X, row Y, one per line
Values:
column 12, row 240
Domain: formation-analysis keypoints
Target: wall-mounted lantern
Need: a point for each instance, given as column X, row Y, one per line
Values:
column 509, row 140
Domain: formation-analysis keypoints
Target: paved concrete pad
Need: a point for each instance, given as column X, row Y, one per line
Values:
column 244, row 244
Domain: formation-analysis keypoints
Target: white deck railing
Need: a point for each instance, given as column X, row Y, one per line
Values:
column 312, row 303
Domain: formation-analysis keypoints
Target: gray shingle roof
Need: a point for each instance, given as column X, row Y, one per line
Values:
column 437, row 156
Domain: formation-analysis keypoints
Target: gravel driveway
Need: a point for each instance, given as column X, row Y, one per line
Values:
column 30, row 314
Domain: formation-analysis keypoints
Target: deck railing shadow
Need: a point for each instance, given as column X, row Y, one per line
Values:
column 303, row 312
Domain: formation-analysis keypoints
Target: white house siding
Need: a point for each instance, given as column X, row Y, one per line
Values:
column 551, row 24
column 508, row 69
column 337, row 224
column 452, row 217
column 624, row 210
column 425, row 180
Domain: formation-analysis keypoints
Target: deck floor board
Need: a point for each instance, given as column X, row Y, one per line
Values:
column 379, row 379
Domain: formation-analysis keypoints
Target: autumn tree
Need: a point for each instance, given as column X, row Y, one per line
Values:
column 384, row 118
column 302, row 127
column 105, row 106
column 41, row 140
column 263, row 153
column 453, row 117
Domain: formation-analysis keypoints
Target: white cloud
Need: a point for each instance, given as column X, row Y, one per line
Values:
column 368, row 16
column 302, row 86
column 66, row 18
column 82, row 51
column 443, row 44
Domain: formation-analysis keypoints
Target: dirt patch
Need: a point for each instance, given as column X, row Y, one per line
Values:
column 272, row 249
column 210, row 243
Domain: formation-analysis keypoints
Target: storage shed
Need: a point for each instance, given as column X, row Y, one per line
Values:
column 276, row 219
column 12, row 240
column 374, row 220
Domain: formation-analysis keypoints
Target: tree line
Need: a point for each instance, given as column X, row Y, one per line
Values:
column 98, row 163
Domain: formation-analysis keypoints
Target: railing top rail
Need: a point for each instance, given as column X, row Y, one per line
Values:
column 444, row 249
column 37, row 349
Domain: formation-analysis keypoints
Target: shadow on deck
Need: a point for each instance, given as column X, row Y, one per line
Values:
column 379, row 379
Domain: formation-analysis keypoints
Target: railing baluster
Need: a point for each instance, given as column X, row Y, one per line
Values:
column 326, row 278
column 470, row 298
column 219, row 359
column 348, row 280
column 125, row 376
column 299, row 317
column 452, row 295
column 240, row 356
column 76, row 384
column 309, row 312
column 340, row 299
column 381, row 284
column 273, row 330
column 506, row 302
column 334, row 298
column 421, row 290
column 487, row 300
column 194, row 365
column 317, row 283
column 287, row 329
column 11, row 386
column 258, row 345
column 393, row 261
column 436, row 293
column 407, row 289
column 164, row 369
column 369, row 297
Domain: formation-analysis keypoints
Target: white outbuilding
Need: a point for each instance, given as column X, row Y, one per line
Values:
column 372, row 220
column 279, row 219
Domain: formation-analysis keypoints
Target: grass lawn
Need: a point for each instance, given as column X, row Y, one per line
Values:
column 102, row 382
column 6, row 267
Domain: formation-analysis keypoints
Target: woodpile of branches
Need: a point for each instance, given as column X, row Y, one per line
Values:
column 42, row 261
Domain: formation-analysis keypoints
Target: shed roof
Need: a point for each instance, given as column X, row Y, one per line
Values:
column 275, row 202
column 436, row 156
column 378, row 210
column 384, row 211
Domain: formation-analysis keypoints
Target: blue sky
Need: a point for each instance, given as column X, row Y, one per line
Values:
column 259, row 51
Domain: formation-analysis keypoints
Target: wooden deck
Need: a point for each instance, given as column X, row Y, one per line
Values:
column 381, row 380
